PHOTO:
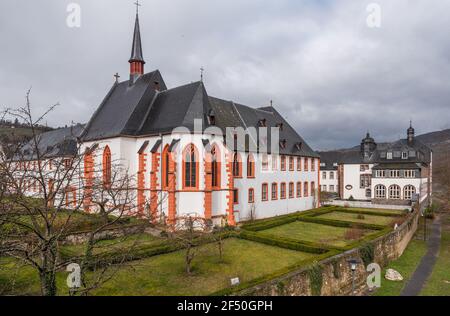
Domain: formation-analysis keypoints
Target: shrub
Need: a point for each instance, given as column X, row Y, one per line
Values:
column 367, row 253
column 361, row 217
column 353, row 233
column 315, row 274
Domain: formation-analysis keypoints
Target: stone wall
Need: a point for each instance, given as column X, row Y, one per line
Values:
column 368, row 204
column 336, row 272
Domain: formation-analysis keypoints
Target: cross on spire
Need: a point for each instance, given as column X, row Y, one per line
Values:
column 117, row 77
column 137, row 6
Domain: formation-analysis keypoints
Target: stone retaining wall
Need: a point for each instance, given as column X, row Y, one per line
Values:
column 112, row 233
column 336, row 272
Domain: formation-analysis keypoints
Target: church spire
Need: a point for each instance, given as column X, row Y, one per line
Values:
column 136, row 60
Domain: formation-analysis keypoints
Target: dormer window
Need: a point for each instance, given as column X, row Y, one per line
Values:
column 211, row 118
column 299, row 145
column 280, row 126
column 404, row 155
column 262, row 123
column 283, row 144
column 389, row 155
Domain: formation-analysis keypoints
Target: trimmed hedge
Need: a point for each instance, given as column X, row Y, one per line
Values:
column 337, row 223
column 283, row 242
column 368, row 212
column 270, row 224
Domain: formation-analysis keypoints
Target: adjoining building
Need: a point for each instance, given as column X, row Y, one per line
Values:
column 395, row 173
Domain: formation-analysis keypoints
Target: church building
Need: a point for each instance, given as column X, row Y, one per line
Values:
column 187, row 153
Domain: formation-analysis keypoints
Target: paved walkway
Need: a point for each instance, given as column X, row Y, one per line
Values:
column 423, row 271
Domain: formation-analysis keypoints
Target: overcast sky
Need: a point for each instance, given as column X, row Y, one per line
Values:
column 330, row 74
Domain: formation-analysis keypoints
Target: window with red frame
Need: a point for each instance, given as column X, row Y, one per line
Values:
column 291, row 164
column 274, row 162
column 250, row 166
column 283, row 163
column 283, row 191
column 291, row 190
column 107, row 167
column 264, row 192
column 190, row 171
column 274, row 191
column 251, row 196
column 299, row 189
column 305, row 189
column 236, row 196
column 306, row 161
column 313, row 188
column 299, row 164
column 313, row 164
column 215, row 166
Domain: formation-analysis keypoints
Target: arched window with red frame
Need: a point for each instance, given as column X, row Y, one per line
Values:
column 250, row 166
column 165, row 167
column 190, row 167
column 274, row 191
column 283, row 163
column 237, row 165
column 299, row 189
column 107, row 167
column 215, row 167
column 264, row 189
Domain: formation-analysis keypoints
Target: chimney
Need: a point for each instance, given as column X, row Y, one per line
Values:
column 411, row 134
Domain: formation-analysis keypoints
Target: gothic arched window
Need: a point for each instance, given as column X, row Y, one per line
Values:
column 190, row 170
column 107, row 167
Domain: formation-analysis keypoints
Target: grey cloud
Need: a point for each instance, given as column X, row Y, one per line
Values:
column 330, row 75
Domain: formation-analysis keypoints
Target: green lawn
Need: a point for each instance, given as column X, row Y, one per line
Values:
column 406, row 265
column 311, row 232
column 354, row 218
column 439, row 282
column 165, row 275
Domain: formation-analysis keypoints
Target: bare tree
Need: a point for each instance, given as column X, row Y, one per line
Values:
column 187, row 232
column 41, row 195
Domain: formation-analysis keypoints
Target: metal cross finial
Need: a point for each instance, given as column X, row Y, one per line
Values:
column 137, row 6
column 202, row 70
column 271, row 103
column 117, row 77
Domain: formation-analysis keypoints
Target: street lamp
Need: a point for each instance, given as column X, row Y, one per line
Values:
column 353, row 265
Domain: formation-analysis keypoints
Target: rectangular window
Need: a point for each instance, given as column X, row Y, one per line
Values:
column 313, row 164
column 299, row 164
column 313, row 188
column 324, row 175
column 365, row 181
column 274, row 162
column 283, row 191
column 265, row 162
column 291, row 164
column 405, row 155
column 389, row 155
column 283, row 163
column 332, row 188
column 251, row 196
column 332, row 175
column 305, row 189
column 380, row 173
column 394, row 173
column 274, row 191
column 291, row 190
column 306, row 167
column 410, row 174
column 299, row 189
column 264, row 192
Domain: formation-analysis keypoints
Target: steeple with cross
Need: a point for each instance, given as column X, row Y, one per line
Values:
column 136, row 60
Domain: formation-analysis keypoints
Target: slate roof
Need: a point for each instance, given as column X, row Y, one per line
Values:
column 422, row 155
column 57, row 143
column 138, row 110
column 136, row 50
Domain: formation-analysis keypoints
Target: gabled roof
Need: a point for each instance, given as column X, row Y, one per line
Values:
column 177, row 107
column 57, row 143
column 124, row 108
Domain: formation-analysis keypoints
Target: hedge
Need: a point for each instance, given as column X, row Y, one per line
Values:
column 283, row 242
column 337, row 223
column 270, row 224
column 368, row 212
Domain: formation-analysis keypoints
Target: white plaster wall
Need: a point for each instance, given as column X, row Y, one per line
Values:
column 352, row 175
column 328, row 182
column 402, row 182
